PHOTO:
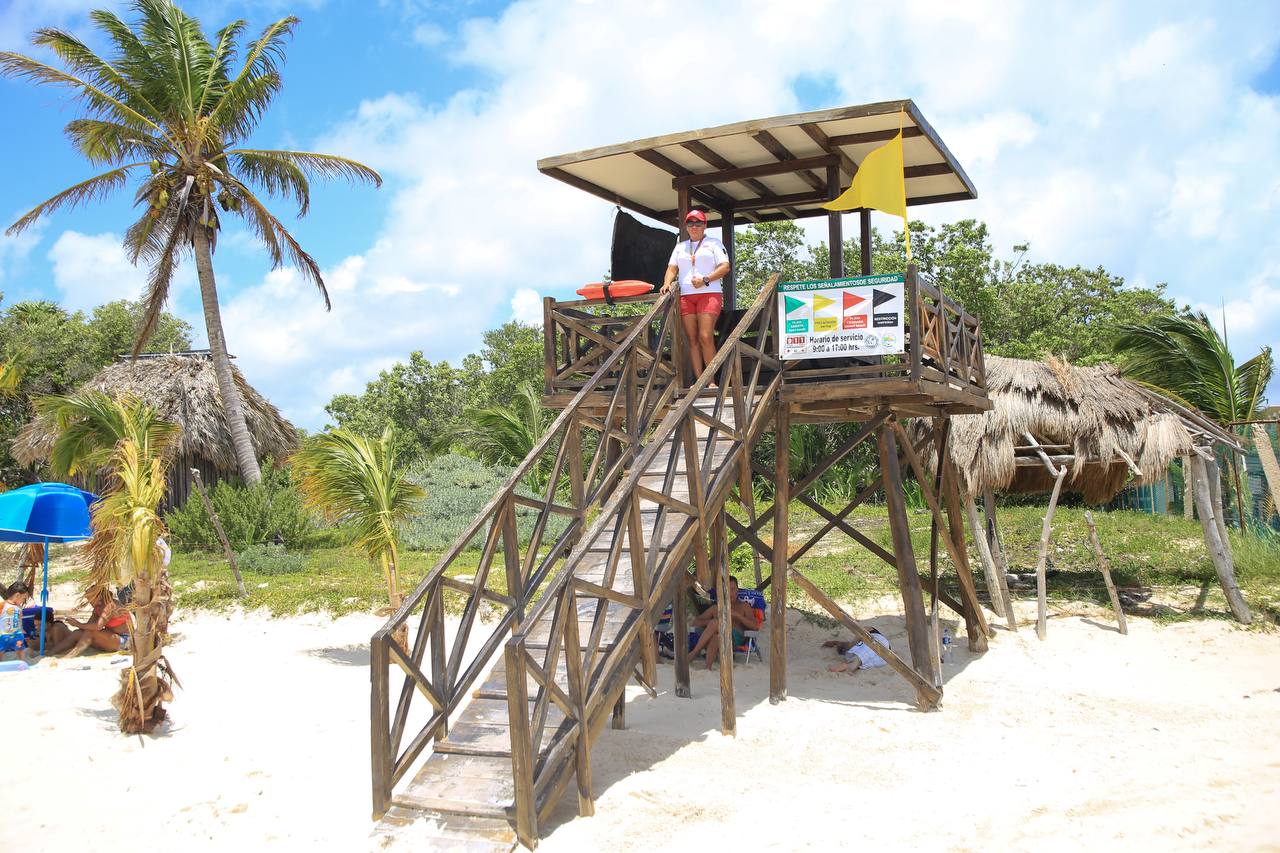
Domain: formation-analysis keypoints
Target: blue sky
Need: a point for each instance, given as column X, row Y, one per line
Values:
column 1141, row 137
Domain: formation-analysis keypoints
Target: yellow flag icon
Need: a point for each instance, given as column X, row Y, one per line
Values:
column 880, row 184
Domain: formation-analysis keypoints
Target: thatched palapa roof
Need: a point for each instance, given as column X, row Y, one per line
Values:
column 1086, row 418
column 185, row 390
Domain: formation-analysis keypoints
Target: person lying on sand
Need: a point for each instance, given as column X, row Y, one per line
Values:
column 744, row 619
column 107, row 630
column 856, row 656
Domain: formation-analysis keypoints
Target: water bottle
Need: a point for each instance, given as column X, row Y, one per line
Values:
column 946, row 645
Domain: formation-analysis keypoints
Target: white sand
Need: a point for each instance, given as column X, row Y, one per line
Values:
column 1166, row 738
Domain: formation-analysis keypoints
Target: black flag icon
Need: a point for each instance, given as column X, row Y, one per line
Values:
column 879, row 297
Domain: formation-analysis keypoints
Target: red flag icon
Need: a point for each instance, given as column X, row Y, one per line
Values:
column 852, row 300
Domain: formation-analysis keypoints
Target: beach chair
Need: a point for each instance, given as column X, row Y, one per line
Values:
column 752, row 638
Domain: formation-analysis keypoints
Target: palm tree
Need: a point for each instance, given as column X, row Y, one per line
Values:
column 130, row 442
column 169, row 109
column 1185, row 358
column 354, row 479
column 506, row 434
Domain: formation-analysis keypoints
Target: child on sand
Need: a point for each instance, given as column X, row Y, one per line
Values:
column 11, row 637
column 857, row 655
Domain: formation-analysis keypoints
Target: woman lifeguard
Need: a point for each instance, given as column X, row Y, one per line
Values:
column 700, row 262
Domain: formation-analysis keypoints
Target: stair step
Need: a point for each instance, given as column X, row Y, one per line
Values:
column 451, row 833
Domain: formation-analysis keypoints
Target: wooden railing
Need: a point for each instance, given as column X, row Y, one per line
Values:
column 949, row 337
column 570, row 665
column 580, row 335
column 575, row 466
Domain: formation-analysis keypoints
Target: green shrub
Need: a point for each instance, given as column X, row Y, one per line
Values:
column 270, row 560
column 250, row 515
column 458, row 488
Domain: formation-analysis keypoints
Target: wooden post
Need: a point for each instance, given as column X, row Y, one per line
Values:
column 984, row 555
column 835, row 226
column 729, row 283
column 908, row 578
column 992, row 535
column 680, row 626
column 1106, row 573
column 1213, row 474
column 380, row 725
column 724, row 615
column 1188, row 492
column 1213, row 540
column 217, row 527
column 975, row 622
column 619, row 719
column 1042, row 590
column 548, row 346
column 865, row 235
column 778, row 580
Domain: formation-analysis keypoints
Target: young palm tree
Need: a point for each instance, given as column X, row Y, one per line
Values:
column 354, row 480
column 1185, row 358
column 505, row 435
column 130, row 441
column 169, row 110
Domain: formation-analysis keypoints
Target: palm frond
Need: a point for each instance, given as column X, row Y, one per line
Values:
column 84, row 63
column 246, row 98
column 103, row 142
column 98, row 102
column 276, row 237
column 97, row 187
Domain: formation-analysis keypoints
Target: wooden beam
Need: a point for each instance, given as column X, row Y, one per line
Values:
column 818, row 135
column 607, row 195
column 908, row 576
column 873, row 136
column 770, row 143
column 728, row 172
column 675, row 170
column 724, row 616
column 778, row 580
column 835, row 227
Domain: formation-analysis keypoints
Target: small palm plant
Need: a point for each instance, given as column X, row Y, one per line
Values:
column 354, row 480
column 1185, row 358
column 506, row 434
column 170, row 109
column 131, row 443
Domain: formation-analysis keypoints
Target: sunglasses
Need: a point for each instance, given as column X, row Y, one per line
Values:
column 694, row 223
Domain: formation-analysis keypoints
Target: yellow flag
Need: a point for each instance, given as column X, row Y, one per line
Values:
column 879, row 184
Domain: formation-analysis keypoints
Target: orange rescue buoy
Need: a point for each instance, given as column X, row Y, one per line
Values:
column 613, row 289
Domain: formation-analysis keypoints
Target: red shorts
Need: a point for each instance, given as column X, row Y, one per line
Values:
column 701, row 303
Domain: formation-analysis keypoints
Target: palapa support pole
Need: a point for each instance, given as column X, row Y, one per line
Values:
column 198, row 482
column 996, row 584
column 1105, row 566
column 1188, row 491
column 778, row 580
column 908, row 577
column 1213, row 475
column 1042, row 591
column 1213, row 540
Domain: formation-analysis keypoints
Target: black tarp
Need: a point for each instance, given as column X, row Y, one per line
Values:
column 639, row 251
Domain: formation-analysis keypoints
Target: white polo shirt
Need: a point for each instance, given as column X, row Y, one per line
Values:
column 701, row 256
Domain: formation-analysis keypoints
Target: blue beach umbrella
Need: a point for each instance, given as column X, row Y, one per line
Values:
column 45, row 513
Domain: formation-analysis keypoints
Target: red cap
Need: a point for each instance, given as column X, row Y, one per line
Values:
column 695, row 214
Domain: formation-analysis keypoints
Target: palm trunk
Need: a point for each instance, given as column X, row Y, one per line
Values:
column 232, row 404
column 144, row 687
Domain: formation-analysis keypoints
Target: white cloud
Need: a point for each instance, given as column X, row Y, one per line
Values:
column 526, row 306
column 14, row 250
column 1123, row 135
column 90, row 269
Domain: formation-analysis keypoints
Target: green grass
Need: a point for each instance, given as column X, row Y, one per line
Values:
column 1165, row 553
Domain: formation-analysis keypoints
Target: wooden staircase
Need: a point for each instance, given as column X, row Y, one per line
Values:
column 507, row 736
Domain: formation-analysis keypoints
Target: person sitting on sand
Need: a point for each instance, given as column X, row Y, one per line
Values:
column 744, row 619
column 856, row 656
column 11, row 636
column 107, row 629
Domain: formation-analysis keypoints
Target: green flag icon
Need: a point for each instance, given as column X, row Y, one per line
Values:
column 793, row 304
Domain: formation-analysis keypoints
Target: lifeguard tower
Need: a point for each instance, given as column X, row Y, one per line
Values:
column 484, row 725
